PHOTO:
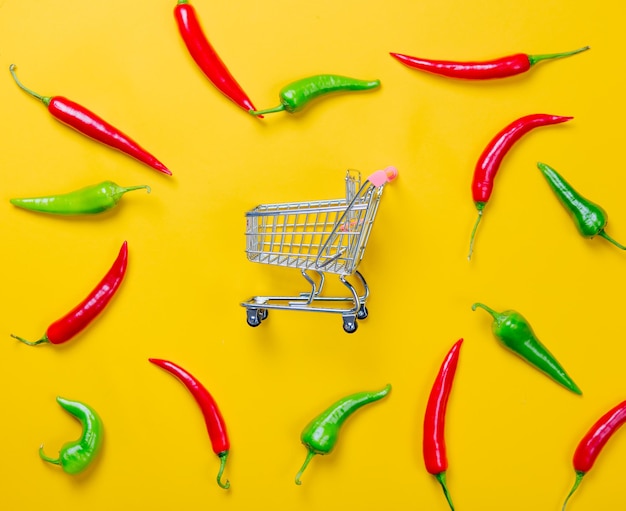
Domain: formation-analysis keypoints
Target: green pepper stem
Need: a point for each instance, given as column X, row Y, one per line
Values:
column 222, row 457
column 441, row 477
column 483, row 306
column 533, row 59
column 56, row 461
column 471, row 249
column 44, row 99
column 607, row 237
column 579, row 478
column 278, row 108
column 138, row 187
column 43, row 340
column 309, row 457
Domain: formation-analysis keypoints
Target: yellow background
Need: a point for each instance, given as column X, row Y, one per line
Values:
column 511, row 431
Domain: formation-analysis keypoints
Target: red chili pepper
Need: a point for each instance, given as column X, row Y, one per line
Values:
column 206, row 57
column 489, row 162
column 88, row 123
column 502, row 67
column 434, row 444
column 86, row 311
column 594, row 441
column 215, row 424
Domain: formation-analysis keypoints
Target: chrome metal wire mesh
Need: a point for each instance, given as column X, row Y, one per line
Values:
column 326, row 235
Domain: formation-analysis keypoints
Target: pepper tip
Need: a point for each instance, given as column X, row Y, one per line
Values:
column 254, row 112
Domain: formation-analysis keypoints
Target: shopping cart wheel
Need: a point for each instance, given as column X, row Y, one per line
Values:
column 253, row 317
column 362, row 313
column 349, row 324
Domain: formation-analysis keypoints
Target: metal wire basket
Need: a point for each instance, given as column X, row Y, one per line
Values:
column 324, row 236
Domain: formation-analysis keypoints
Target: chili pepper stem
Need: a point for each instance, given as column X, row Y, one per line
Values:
column 278, row 108
column 441, row 477
column 43, row 340
column 44, row 99
column 579, row 478
column 138, row 187
column 309, row 457
column 473, row 235
column 56, row 461
column 607, row 237
column 226, row 484
column 533, row 59
column 483, row 306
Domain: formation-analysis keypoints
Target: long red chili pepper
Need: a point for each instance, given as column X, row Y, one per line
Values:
column 206, row 57
column 215, row 424
column 491, row 158
column 501, row 67
column 88, row 123
column 85, row 312
column 434, row 444
column 594, row 441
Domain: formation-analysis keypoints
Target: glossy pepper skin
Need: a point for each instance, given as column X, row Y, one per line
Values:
column 89, row 124
column 494, row 152
column 206, row 57
column 515, row 333
column 76, row 456
column 296, row 95
column 593, row 442
column 86, row 201
column 65, row 328
column 216, row 427
column 433, row 443
column 590, row 219
column 502, row 67
column 320, row 435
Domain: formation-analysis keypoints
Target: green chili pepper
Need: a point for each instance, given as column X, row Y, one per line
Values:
column 514, row 331
column 590, row 219
column 86, row 201
column 76, row 456
column 320, row 435
column 296, row 95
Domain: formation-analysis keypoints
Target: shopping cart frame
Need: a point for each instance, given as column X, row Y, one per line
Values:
column 318, row 238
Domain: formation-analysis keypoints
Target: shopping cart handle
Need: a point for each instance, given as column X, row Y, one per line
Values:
column 380, row 177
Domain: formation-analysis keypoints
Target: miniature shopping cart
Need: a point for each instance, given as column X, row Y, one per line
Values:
column 317, row 238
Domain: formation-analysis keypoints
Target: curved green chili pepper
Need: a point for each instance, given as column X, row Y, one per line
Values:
column 320, row 435
column 76, row 456
column 86, row 201
column 514, row 331
column 590, row 219
column 296, row 95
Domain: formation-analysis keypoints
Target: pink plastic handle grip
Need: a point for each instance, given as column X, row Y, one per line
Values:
column 380, row 177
